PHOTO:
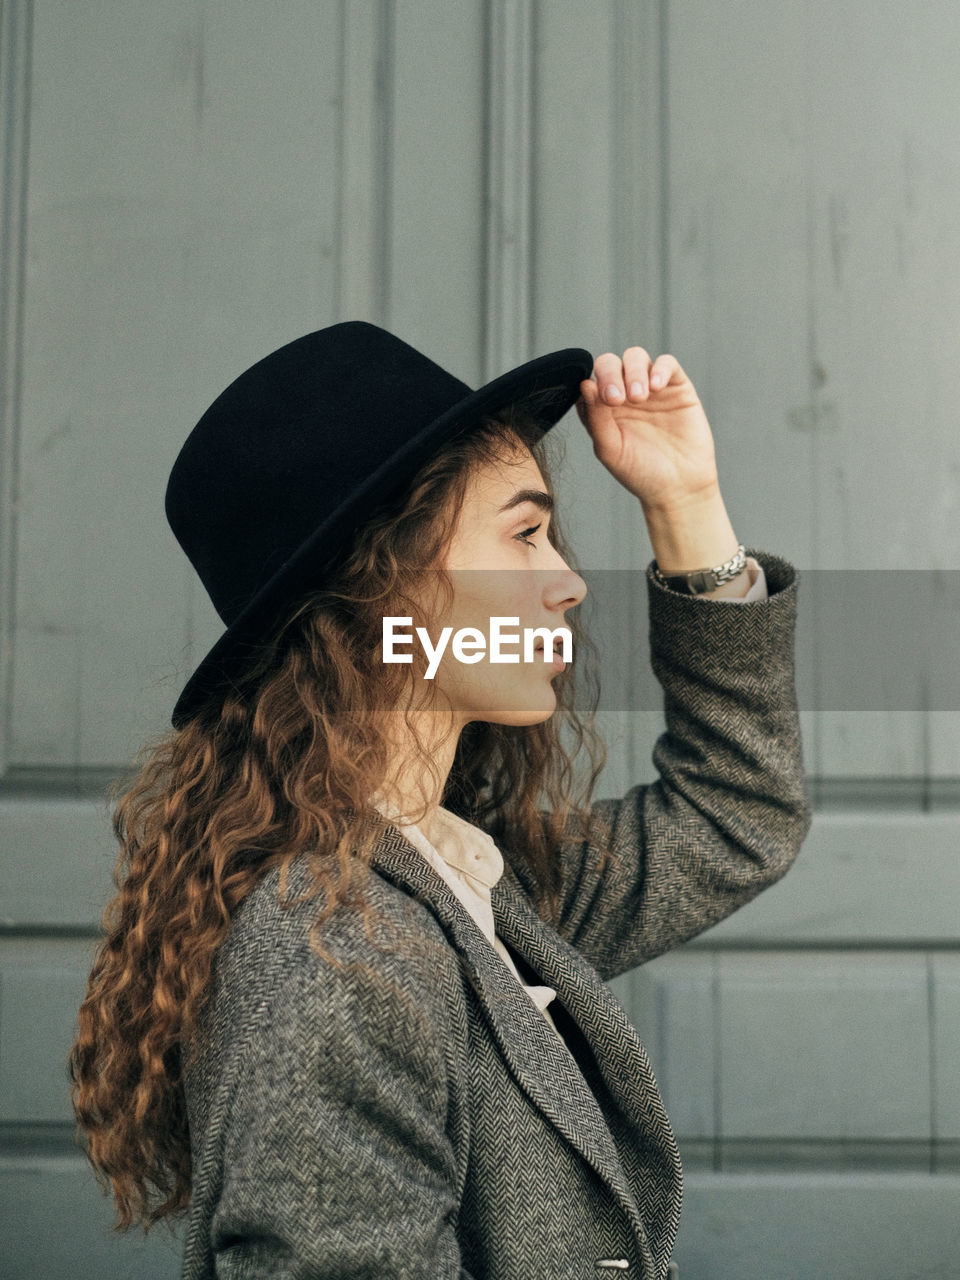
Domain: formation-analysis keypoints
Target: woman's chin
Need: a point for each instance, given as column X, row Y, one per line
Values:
column 525, row 701
column 527, row 711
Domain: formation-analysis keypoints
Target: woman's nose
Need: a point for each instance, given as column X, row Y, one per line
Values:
column 572, row 586
column 581, row 587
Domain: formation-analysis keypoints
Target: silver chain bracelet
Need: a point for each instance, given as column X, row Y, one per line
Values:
column 699, row 581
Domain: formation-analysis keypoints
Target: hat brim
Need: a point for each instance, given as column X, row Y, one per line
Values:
column 551, row 383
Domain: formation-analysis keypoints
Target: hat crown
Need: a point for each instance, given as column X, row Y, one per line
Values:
column 287, row 442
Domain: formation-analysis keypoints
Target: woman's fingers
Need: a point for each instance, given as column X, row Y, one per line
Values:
column 602, row 427
column 608, row 371
column 636, row 373
column 664, row 368
column 632, row 376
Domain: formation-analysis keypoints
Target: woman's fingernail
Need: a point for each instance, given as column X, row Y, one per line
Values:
column 656, row 380
column 636, row 389
column 614, row 393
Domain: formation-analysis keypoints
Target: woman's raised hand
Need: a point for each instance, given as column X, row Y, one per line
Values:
column 649, row 429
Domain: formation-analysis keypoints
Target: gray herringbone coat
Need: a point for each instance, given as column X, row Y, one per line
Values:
column 413, row 1114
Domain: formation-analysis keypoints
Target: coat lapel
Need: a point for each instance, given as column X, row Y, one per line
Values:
column 538, row 1058
column 648, row 1149
column 619, row 1053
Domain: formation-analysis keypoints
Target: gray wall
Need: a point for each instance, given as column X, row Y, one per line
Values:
column 770, row 191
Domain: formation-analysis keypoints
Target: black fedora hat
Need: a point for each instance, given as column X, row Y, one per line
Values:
column 301, row 449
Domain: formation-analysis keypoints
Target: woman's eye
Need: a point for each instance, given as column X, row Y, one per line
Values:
column 524, row 535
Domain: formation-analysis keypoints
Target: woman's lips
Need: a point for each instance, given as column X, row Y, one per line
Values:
column 558, row 662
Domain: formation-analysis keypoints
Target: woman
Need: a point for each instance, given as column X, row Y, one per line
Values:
column 350, row 1009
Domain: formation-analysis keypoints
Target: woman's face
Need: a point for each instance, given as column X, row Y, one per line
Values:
column 502, row 565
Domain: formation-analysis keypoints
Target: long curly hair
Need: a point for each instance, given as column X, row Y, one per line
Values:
column 288, row 762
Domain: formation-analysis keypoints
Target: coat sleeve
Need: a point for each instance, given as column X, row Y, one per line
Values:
column 336, row 1155
column 729, row 810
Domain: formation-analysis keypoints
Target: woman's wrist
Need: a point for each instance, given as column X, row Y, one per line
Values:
column 691, row 534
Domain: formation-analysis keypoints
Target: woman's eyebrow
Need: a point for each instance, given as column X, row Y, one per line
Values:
column 536, row 496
